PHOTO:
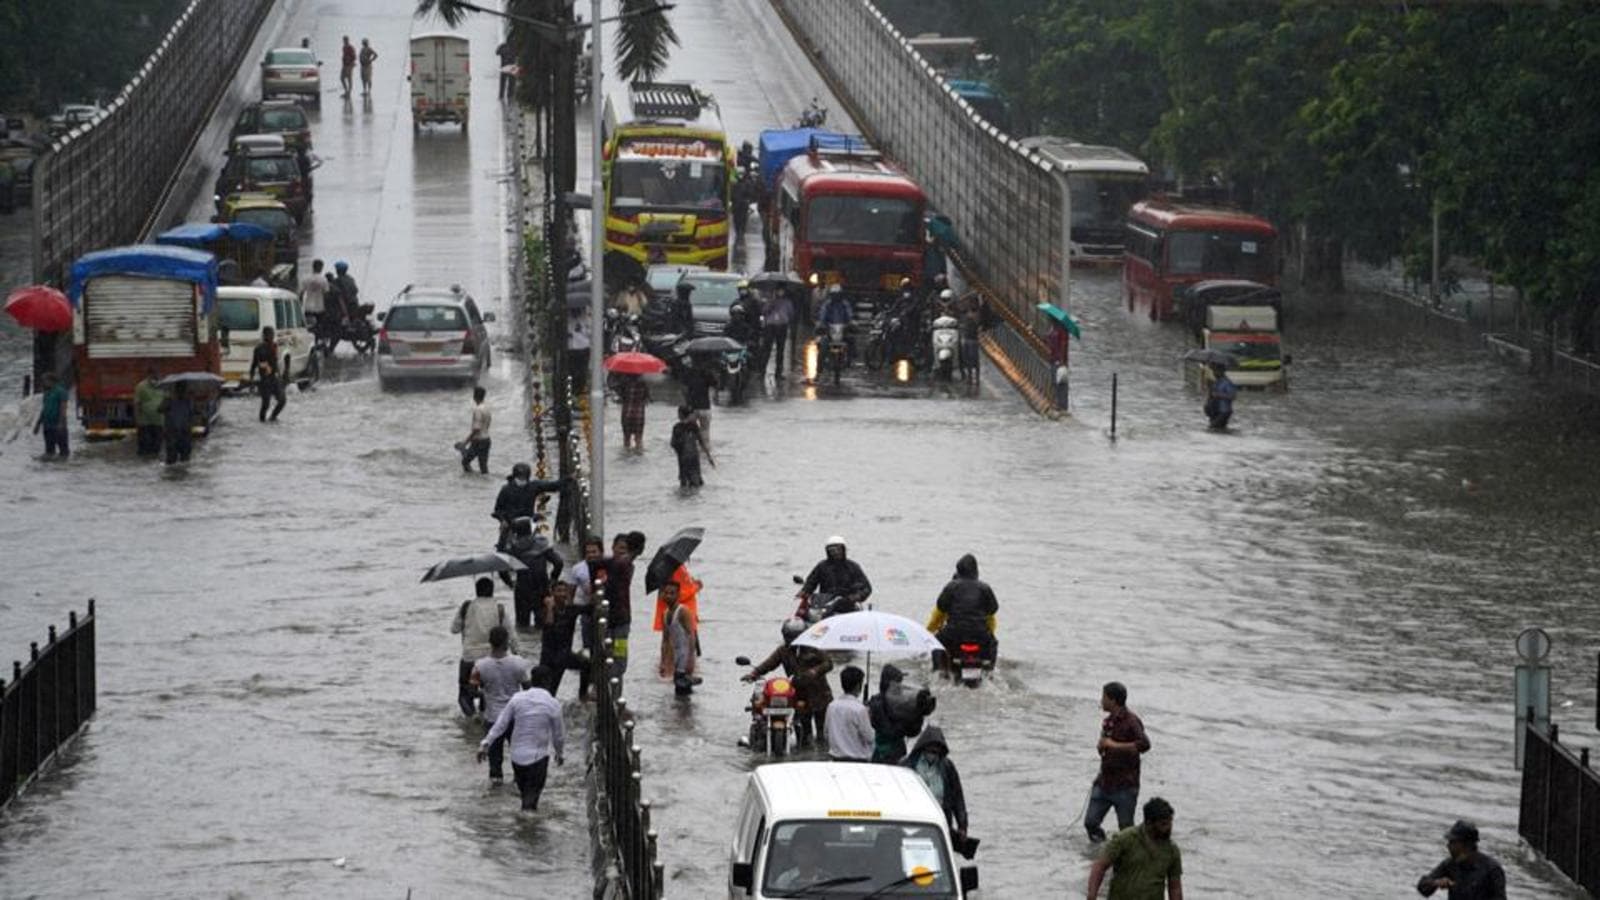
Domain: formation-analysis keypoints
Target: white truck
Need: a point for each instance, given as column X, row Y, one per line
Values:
column 1250, row 335
column 441, row 79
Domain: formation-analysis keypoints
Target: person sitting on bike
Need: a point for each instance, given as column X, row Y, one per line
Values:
column 747, row 155
column 965, row 611
column 808, row 668
column 519, row 498
column 744, row 317
column 836, row 309
column 349, row 294
column 837, row 576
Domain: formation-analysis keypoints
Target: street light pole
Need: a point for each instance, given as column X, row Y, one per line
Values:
column 597, row 293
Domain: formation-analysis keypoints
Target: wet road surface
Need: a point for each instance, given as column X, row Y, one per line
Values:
column 1313, row 613
column 276, row 689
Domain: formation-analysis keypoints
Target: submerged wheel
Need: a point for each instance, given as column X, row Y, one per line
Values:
column 779, row 740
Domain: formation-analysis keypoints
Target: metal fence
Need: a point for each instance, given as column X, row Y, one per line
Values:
column 99, row 184
column 1006, row 201
column 1560, row 814
column 616, row 761
column 47, row 702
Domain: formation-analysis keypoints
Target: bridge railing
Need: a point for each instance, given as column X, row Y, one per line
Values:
column 1006, row 201
column 621, row 777
column 1560, row 814
column 46, row 703
column 99, row 185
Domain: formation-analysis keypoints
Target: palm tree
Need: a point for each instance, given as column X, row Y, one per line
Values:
column 644, row 41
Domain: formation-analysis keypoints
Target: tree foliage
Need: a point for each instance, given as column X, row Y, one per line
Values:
column 86, row 50
column 644, row 41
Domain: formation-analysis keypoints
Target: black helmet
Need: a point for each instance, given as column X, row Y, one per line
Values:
column 792, row 628
column 521, row 470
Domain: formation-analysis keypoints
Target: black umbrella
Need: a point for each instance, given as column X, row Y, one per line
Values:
column 482, row 564
column 713, row 344
column 1211, row 357
column 190, row 378
column 669, row 556
column 773, row 280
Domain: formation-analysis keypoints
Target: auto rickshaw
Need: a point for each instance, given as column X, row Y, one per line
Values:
column 244, row 250
column 269, row 213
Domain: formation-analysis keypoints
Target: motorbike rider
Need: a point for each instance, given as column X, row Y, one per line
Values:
column 683, row 310
column 945, row 305
column 544, row 563
column 965, row 612
column 808, row 668
column 747, row 155
column 518, row 497
column 836, row 310
column 744, row 317
column 835, row 575
column 349, row 294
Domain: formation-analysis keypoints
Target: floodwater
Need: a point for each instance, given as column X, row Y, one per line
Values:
column 1313, row 613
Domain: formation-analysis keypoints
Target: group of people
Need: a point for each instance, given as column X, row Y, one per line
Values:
column 349, row 59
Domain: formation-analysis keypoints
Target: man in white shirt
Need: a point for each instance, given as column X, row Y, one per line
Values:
column 499, row 675
column 474, row 620
column 586, row 577
column 849, row 725
column 533, row 718
column 578, row 349
column 314, row 293
column 476, row 446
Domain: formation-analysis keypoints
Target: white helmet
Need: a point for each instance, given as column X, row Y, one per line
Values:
column 833, row 541
column 835, row 289
column 947, row 294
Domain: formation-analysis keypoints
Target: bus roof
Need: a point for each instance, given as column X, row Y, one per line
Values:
column 824, row 790
column 664, row 103
column 845, row 174
column 1075, row 157
column 1171, row 215
column 146, row 261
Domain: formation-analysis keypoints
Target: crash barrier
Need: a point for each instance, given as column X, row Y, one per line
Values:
column 616, row 764
column 1560, row 814
column 1006, row 201
column 99, row 185
column 46, row 704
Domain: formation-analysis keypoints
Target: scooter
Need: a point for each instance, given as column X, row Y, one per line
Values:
column 946, row 339
column 735, row 373
column 773, row 705
column 835, row 347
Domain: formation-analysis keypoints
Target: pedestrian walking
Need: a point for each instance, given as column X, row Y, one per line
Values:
column 1466, row 874
column 366, row 57
column 697, row 384
column 1122, row 741
column 269, row 381
column 558, row 619
column 969, row 323
column 849, row 723
column 1145, row 864
column 147, row 397
column 776, row 317
column 687, row 442
column 474, row 620
column 533, row 719
column 930, row 759
column 177, row 424
column 347, row 65
column 508, row 70
column 53, row 417
column 476, row 445
column 634, row 395
column 678, row 643
column 498, row 677
column 578, row 349
column 544, row 565
column 314, row 294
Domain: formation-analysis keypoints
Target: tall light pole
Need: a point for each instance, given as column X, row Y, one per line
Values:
column 597, row 294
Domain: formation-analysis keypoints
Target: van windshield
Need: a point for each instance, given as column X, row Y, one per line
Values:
column 856, row 857
column 1221, row 254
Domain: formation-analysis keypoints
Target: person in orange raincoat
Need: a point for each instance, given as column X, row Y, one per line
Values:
column 688, row 596
column 679, row 643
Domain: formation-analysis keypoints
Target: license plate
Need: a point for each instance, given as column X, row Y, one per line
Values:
column 425, row 346
column 971, row 674
column 780, row 722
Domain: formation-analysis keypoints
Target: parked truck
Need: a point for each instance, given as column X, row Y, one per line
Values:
column 1250, row 335
column 135, row 309
column 441, row 79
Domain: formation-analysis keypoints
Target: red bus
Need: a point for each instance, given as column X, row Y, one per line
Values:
column 1170, row 245
column 850, row 218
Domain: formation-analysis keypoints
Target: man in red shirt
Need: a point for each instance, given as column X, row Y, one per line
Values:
column 1122, row 740
column 347, row 66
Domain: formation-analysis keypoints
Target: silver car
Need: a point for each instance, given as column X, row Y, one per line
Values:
column 291, row 70
column 432, row 333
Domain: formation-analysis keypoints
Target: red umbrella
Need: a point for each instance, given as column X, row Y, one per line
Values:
column 40, row 307
column 632, row 363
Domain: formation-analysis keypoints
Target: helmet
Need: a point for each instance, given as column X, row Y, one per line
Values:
column 747, row 146
column 905, row 283
column 947, row 294
column 833, row 541
column 835, row 290
column 744, row 284
column 521, row 470
column 792, row 628
column 341, row 266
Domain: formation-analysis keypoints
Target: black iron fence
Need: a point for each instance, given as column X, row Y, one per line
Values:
column 46, row 703
column 1560, row 815
column 616, row 762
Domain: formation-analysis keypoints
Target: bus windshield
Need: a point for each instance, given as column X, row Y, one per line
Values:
column 640, row 184
column 863, row 220
column 1102, row 199
column 1220, row 253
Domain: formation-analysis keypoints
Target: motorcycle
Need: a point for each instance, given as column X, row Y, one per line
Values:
column 813, row 116
column 330, row 330
column 746, row 191
column 946, row 339
column 834, row 347
column 622, row 332
column 773, row 705
column 671, row 348
column 967, row 664
column 735, row 372
column 822, row 605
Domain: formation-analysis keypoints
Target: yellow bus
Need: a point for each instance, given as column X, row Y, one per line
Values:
column 668, row 173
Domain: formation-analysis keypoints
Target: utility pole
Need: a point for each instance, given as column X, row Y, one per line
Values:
column 597, row 294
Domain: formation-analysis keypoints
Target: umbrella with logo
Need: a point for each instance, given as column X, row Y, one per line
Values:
column 634, row 363
column 482, row 564
column 870, row 631
column 40, row 307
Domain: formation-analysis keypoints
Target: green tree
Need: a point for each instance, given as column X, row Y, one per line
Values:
column 644, row 40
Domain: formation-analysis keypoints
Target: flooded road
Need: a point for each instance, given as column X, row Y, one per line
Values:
column 276, row 689
column 1312, row 613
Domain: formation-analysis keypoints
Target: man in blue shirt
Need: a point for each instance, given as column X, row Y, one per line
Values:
column 1219, row 403
column 53, row 417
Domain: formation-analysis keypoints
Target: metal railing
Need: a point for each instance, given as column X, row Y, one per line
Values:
column 1560, row 814
column 99, row 185
column 1005, row 200
column 46, row 704
column 616, row 761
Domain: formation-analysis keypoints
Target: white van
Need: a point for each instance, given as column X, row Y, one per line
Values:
column 241, row 314
column 857, row 826
column 441, row 79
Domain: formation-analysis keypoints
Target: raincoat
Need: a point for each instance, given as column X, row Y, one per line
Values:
column 896, row 711
column 688, row 596
column 966, row 605
column 941, row 776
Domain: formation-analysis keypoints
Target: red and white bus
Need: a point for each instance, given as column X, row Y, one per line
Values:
column 1170, row 244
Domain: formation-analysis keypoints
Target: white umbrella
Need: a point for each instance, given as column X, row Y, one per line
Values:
column 870, row 631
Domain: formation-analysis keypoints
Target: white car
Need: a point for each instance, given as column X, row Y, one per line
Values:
column 291, row 70
column 241, row 314
column 433, row 333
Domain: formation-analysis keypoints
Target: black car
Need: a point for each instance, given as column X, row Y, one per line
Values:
column 281, row 117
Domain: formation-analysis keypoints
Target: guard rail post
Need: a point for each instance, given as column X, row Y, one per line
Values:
column 46, row 703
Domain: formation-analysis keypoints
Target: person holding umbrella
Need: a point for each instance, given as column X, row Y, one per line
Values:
column 177, row 414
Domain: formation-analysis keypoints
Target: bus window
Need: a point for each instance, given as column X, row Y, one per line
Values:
column 1219, row 253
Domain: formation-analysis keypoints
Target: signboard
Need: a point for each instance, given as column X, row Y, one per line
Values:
column 1532, row 685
